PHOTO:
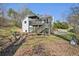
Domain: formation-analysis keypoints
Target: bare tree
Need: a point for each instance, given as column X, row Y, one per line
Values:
column 73, row 18
column 2, row 10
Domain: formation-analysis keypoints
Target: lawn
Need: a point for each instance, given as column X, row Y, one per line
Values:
column 42, row 45
column 67, row 36
column 7, row 31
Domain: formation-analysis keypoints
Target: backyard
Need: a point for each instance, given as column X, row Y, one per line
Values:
column 52, row 45
column 31, row 30
column 47, row 46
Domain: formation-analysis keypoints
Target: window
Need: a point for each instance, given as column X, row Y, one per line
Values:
column 25, row 30
column 25, row 22
column 30, row 23
column 33, row 17
column 47, row 20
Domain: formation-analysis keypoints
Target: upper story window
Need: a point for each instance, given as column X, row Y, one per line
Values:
column 25, row 22
column 33, row 17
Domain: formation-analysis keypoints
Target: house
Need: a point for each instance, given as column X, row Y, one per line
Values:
column 37, row 24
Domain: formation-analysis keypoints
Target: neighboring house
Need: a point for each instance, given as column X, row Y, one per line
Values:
column 37, row 24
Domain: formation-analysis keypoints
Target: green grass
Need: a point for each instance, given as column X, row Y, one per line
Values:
column 67, row 36
column 35, row 40
column 7, row 31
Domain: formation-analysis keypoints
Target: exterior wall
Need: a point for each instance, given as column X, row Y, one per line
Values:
column 35, row 25
column 25, row 26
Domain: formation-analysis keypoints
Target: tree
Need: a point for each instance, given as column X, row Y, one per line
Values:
column 12, row 13
column 25, row 11
column 15, row 16
column 73, row 18
column 2, row 18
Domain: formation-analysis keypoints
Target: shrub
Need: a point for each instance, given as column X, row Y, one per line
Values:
column 61, row 25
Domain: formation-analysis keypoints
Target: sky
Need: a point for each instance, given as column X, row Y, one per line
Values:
column 56, row 10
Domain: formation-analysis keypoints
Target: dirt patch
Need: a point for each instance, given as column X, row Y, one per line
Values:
column 47, row 46
column 62, row 48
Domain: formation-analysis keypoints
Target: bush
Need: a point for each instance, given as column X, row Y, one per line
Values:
column 66, row 37
column 61, row 25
